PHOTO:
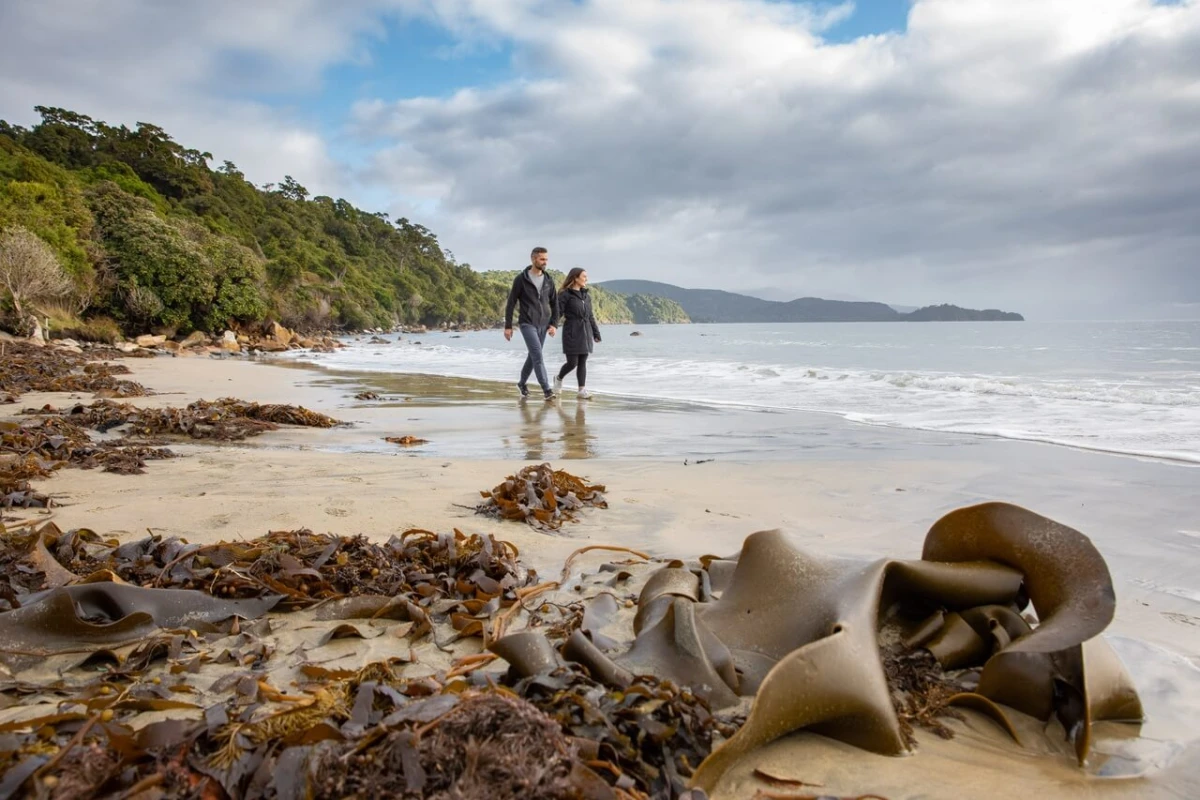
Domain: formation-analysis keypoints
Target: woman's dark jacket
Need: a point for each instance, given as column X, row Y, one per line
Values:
column 579, row 328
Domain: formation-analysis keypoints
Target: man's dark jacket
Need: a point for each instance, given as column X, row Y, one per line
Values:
column 537, row 309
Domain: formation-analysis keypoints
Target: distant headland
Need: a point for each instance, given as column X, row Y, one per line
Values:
column 713, row 305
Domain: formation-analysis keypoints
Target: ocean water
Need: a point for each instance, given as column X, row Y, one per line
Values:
column 1120, row 387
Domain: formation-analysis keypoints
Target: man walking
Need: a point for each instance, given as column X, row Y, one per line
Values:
column 533, row 290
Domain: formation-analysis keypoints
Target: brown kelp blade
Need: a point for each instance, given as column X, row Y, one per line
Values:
column 832, row 686
column 92, row 616
column 1065, row 575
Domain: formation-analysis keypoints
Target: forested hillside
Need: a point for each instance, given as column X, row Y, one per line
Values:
column 152, row 237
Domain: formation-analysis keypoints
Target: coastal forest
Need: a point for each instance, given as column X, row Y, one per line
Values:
column 110, row 230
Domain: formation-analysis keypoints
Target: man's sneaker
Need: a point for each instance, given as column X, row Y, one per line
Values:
column 583, row 394
column 550, row 395
column 557, row 385
column 524, row 390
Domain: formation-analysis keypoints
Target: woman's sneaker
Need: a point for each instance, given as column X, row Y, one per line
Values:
column 583, row 394
column 557, row 385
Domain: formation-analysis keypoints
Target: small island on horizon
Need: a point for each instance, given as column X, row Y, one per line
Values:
column 717, row 306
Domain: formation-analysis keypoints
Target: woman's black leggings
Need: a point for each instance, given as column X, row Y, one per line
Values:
column 575, row 362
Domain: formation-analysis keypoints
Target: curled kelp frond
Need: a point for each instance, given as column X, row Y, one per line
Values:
column 541, row 496
column 801, row 635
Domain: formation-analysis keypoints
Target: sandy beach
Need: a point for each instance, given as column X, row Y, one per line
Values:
column 682, row 483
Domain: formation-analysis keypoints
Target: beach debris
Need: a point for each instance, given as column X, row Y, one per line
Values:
column 29, row 368
column 602, row 696
column 487, row 744
column 54, row 438
column 737, row 628
column 407, row 573
column 407, row 441
column 541, row 496
column 51, row 438
column 116, row 607
column 48, row 443
column 648, row 735
column 18, row 493
column 16, row 470
column 366, row 396
column 226, row 419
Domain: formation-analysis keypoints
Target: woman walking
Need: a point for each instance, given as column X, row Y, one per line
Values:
column 579, row 328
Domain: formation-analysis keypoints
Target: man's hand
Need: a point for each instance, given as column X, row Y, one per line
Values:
column 508, row 334
column 550, row 330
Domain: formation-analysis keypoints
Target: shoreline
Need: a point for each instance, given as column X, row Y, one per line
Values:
column 719, row 405
column 855, row 491
column 356, row 360
column 332, row 377
column 866, row 491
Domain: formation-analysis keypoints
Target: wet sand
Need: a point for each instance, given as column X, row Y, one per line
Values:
column 834, row 487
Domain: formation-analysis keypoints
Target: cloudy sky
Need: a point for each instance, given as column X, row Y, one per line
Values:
column 1035, row 155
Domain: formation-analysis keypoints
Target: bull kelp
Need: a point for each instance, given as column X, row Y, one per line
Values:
column 436, row 665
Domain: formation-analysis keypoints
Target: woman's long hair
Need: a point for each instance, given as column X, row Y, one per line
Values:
column 569, row 283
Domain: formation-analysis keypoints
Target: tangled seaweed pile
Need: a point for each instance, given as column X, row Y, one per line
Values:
column 299, row 568
column 349, row 734
column 34, row 449
column 603, row 697
column 562, row 735
column 362, row 732
column 227, row 419
column 27, row 368
column 33, row 452
column 541, row 496
column 53, row 439
column 43, row 445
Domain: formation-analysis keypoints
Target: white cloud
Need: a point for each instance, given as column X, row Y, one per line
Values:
column 1036, row 154
column 189, row 68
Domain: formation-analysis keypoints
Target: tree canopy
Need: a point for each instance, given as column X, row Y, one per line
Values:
column 153, row 237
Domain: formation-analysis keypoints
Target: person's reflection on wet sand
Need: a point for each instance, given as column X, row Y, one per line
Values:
column 577, row 442
column 533, row 432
